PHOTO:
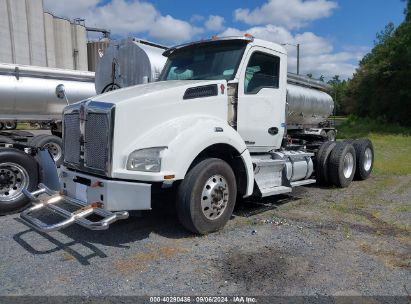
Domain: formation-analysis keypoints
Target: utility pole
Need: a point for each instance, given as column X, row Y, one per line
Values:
column 298, row 59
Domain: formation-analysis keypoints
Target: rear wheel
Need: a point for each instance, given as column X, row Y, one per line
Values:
column 206, row 197
column 342, row 163
column 364, row 151
column 321, row 163
column 54, row 144
column 18, row 171
column 10, row 125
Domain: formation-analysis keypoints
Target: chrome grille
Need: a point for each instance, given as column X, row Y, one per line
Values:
column 72, row 138
column 96, row 141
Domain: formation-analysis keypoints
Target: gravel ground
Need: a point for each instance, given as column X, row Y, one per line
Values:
column 352, row 241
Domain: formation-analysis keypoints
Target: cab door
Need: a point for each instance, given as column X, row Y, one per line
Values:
column 262, row 99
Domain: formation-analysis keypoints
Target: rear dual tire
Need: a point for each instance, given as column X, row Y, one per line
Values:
column 364, row 152
column 338, row 163
column 342, row 165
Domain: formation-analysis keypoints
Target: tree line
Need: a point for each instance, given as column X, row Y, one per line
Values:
column 381, row 86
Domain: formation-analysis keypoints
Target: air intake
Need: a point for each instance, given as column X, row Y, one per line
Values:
column 203, row 91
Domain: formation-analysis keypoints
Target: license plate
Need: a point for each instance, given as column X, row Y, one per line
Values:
column 81, row 192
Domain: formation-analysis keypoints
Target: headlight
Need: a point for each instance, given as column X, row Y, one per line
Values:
column 146, row 160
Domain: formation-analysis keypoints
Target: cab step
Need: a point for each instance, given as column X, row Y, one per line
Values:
column 79, row 216
column 275, row 191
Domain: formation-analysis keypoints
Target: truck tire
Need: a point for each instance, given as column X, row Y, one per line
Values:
column 331, row 135
column 18, row 171
column 364, row 152
column 10, row 125
column 54, row 144
column 342, row 164
column 321, row 163
column 6, row 140
column 1, row 126
column 206, row 197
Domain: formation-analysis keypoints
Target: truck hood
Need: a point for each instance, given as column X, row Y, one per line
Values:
column 157, row 114
column 176, row 88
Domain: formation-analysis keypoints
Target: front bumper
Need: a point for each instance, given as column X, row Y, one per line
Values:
column 113, row 194
column 79, row 216
column 109, row 200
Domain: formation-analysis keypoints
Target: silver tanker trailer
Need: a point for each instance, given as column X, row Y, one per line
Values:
column 38, row 95
column 34, row 95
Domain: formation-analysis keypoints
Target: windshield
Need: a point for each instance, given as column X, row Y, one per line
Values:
column 213, row 61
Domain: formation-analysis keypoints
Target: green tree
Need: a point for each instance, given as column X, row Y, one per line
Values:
column 338, row 92
column 381, row 86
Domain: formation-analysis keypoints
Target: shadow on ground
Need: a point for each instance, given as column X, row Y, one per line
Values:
column 131, row 230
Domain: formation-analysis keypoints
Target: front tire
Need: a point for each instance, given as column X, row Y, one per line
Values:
column 206, row 197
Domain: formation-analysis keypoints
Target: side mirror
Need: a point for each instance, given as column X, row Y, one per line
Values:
column 61, row 92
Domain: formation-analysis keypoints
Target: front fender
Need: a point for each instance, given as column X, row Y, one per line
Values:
column 186, row 137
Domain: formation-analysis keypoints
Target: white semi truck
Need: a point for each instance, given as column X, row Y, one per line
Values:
column 214, row 128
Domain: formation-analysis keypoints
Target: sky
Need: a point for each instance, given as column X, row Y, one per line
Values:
column 333, row 34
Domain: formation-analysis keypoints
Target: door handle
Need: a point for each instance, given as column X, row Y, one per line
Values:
column 273, row 131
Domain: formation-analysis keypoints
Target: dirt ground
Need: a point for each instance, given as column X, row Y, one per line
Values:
column 353, row 241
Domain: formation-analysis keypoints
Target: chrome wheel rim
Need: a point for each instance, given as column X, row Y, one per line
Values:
column 214, row 197
column 348, row 165
column 13, row 179
column 55, row 150
column 367, row 159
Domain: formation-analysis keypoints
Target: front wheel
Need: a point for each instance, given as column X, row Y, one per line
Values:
column 206, row 197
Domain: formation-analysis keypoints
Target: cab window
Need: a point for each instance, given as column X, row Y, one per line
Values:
column 262, row 71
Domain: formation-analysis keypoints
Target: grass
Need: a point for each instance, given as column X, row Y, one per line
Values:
column 392, row 143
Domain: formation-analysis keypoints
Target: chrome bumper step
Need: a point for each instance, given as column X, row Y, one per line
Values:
column 79, row 216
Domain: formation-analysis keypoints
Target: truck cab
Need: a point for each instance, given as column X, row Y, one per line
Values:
column 213, row 128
